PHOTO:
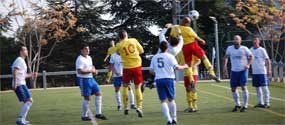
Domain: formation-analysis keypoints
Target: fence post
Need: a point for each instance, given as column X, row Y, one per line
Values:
column 275, row 71
column 44, row 80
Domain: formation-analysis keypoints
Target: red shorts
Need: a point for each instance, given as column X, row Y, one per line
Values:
column 187, row 81
column 133, row 73
column 192, row 49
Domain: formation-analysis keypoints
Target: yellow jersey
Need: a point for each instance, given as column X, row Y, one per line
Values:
column 111, row 50
column 187, row 33
column 130, row 50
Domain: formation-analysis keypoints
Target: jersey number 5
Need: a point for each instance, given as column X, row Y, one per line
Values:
column 130, row 49
column 160, row 63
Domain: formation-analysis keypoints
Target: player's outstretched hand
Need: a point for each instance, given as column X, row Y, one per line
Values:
column 168, row 25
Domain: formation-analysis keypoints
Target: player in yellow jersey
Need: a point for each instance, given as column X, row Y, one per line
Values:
column 191, row 47
column 130, row 50
column 191, row 94
column 110, row 51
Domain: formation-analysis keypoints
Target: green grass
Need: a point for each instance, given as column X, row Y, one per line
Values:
column 63, row 107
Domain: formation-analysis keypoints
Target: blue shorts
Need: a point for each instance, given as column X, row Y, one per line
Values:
column 259, row 80
column 239, row 78
column 117, row 81
column 23, row 93
column 88, row 86
column 165, row 88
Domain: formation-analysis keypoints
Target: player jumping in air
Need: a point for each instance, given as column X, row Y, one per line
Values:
column 191, row 47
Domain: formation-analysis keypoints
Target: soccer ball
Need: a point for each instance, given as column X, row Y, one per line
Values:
column 194, row 14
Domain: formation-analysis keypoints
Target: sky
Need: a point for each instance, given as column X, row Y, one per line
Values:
column 24, row 5
column 20, row 5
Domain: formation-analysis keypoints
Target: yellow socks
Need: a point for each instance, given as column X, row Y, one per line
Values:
column 139, row 98
column 209, row 66
column 189, row 99
column 125, row 96
column 194, row 97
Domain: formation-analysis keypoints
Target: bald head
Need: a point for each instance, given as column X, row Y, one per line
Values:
column 186, row 21
column 237, row 40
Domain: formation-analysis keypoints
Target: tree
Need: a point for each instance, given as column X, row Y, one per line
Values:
column 264, row 18
column 45, row 27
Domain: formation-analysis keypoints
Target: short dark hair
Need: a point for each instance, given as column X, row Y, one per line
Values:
column 256, row 36
column 19, row 48
column 163, row 46
column 83, row 45
column 122, row 34
column 173, row 41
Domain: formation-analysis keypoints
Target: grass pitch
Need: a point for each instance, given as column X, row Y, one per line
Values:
column 63, row 107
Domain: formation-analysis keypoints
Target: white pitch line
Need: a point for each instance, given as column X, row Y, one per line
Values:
column 273, row 98
column 91, row 116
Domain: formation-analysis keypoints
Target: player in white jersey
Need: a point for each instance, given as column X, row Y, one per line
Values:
column 162, row 66
column 88, row 85
column 175, row 45
column 117, row 69
column 241, row 59
column 19, row 71
column 261, row 69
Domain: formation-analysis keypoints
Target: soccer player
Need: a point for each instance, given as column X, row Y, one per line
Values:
column 110, row 51
column 190, row 87
column 191, row 47
column 241, row 59
column 175, row 45
column 19, row 71
column 88, row 85
column 117, row 69
column 261, row 69
column 163, row 65
column 130, row 50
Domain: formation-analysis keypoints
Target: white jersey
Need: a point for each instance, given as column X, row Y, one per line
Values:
column 21, row 65
column 258, row 64
column 163, row 65
column 172, row 50
column 118, row 66
column 239, row 57
column 83, row 63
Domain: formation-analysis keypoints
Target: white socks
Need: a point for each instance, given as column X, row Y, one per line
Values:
column 24, row 111
column 266, row 93
column 165, row 111
column 172, row 108
column 98, row 104
column 85, row 105
column 245, row 97
column 118, row 98
column 259, row 95
column 131, row 97
column 236, row 97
